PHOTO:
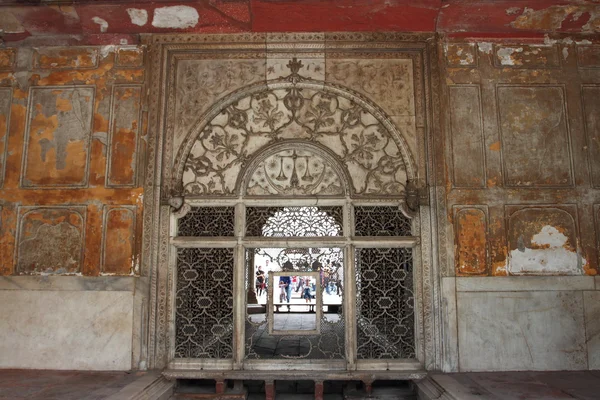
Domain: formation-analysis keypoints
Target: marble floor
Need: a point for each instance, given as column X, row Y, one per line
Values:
column 62, row 385
column 555, row 385
column 268, row 346
column 74, row 385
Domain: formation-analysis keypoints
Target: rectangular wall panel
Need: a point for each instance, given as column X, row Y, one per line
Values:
column 591, row 107
column 534, row 135
column 520, row 331
column 125, row 117
column 471, row 241
column 51, row 239
column 5, row 103
column 118, row 242
column 466, row 128
column 588, row 56
column 58, row 135
column 543, row 240
column 66, row 330
column 130, row 57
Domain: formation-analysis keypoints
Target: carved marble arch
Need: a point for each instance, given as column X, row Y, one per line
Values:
column 294, row 121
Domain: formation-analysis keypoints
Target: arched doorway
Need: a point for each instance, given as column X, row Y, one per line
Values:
column 256, row 176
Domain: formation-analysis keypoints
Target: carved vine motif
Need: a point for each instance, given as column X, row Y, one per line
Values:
column 199, row 83
column 388, row 83
column 358, row 139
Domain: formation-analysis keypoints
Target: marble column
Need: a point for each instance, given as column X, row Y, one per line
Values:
column 251, row 289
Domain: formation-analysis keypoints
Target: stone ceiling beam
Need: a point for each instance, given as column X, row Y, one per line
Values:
column 108, row 20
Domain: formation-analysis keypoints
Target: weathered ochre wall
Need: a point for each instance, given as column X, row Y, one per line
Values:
column 522, row 123
column 71, row 150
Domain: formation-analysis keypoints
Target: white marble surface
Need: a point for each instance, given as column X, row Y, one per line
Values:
column 449, row 327
column 504, row 331
column 68, row 330
column 524, row 283
column 592, row 327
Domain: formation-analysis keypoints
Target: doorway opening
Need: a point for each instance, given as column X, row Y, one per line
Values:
column 301, row 294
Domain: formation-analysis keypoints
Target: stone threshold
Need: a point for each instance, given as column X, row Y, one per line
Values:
column 314, row 375
column 152, row 386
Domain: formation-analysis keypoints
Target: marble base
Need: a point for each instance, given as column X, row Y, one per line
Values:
column 503, row 331
column 592, row 325
column 66, row 330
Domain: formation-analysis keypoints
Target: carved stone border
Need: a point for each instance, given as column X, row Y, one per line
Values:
column 155, row 249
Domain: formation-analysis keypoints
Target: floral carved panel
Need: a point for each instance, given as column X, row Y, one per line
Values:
column 201, row 82
column 374, row 158
column 388, row 82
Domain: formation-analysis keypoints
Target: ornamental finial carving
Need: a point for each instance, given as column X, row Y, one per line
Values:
column 294, row 65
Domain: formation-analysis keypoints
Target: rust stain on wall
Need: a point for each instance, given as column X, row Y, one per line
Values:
column 7, row 239
column 119, row 241
column 471, row 242
column 93, row 239
column 495, row 146
column 130, row 57
column 461, row 54
column 7, row 58
column 124, row 136
column 60, row 123
column 59, row 58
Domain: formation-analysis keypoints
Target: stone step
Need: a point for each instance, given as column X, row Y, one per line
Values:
column 210, row 396
column 296, row 390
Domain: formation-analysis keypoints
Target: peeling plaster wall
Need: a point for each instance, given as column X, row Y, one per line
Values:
column 72, row 143
column 72, row 151
column 522, row 127
column 527, row 116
